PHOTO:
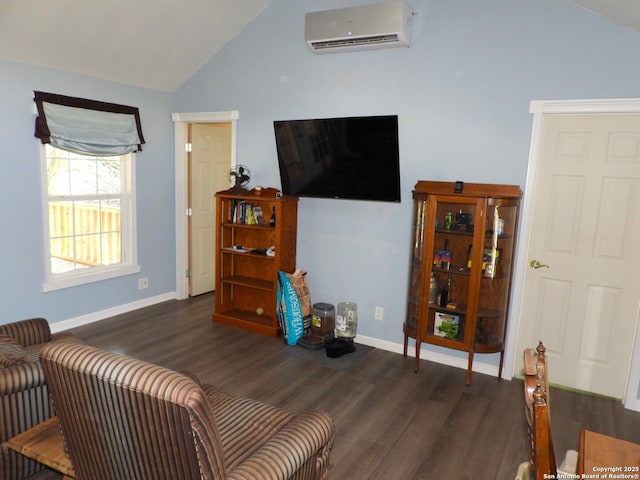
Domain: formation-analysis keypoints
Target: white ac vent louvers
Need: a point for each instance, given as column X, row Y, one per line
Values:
column 366, row 27
column 360, row 41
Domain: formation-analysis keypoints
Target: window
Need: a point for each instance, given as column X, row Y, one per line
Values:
column 88, row 185
column 89, row 217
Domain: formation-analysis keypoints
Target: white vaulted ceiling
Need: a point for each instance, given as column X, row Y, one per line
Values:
column 156, row 44
column 622, row 12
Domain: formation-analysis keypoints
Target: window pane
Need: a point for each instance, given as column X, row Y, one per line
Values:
column 58, row 176
column 110, row 217
column 88, row 249
column 109, row 176
column 83, row 176
column 111, row 248
column 62, row 255
column 86, row 216
column 60, row 219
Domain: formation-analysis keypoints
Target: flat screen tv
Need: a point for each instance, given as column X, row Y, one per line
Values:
column 351, row 158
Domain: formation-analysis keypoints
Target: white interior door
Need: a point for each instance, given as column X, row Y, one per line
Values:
column 585, row 231
column 209, row 165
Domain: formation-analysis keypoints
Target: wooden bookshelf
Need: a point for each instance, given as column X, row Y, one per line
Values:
column 246, row 270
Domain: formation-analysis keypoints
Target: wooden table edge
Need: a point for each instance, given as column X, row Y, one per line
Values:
column 604, row 443
column 22, row 444
column 580, row 469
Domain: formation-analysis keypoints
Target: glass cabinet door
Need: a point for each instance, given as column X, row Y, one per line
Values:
column 415, row 269
column 497, row 263
column 454, row 222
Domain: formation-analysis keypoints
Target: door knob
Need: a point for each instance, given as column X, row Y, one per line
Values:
column 536, row 264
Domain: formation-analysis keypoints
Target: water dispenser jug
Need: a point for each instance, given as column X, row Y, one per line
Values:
column 347, row 320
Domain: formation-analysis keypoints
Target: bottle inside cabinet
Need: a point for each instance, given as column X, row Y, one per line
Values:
column 461, row 265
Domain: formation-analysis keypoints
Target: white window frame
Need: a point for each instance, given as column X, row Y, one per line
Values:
column 129, row 264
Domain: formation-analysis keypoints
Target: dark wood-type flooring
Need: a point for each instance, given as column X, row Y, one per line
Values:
column 391, row 423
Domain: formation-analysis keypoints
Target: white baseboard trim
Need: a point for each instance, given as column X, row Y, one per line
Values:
column 633, row 404
column 110, row 312
column 442, row 358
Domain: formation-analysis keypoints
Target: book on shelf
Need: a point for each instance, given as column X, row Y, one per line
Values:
column 258, row 215
column 442, row 257
column 446, row 325
column 243, row 212
column 233, row 211
column 249, row 219
column 238, row 211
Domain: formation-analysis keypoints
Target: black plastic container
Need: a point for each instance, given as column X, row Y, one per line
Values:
column 336, row 347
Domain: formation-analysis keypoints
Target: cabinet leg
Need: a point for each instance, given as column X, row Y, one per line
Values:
column 406, row 345
column 500, row 367
column 469, row 368
column 417, row 365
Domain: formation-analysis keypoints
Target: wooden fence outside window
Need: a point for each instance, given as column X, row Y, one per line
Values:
column 96, row 239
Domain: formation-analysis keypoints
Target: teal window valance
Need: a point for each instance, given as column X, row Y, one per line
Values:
column 87, row 126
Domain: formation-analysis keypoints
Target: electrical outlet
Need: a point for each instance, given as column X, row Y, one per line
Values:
column 378, row 313
column 143, row 283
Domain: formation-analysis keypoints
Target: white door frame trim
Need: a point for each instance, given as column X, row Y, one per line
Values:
column 181, row 134
column 539, row 108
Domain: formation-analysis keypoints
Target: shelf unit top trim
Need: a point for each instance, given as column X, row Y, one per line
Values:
column 469, row 189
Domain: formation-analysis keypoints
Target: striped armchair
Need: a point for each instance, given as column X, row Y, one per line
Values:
column 24, row 398
column 123, row 418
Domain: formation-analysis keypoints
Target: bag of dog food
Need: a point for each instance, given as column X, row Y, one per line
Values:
column 289, row 310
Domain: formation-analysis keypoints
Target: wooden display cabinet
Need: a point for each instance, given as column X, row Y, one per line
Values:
column 465, row 235
column 246, row 276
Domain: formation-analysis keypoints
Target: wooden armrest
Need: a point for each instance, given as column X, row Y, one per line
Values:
column 530, row 361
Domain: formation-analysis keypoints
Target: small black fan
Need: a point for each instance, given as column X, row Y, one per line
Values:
column 240, row 176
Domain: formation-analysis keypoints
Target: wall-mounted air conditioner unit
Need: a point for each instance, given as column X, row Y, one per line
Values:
column 379, row 25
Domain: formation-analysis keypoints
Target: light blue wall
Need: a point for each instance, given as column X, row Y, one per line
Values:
column 22, row 269
column 462, row 93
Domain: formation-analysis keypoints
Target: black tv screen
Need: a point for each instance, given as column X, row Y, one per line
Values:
column 352, row 158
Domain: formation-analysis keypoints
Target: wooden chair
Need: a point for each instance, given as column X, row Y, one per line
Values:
column 537, row 411
column 125, row 419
